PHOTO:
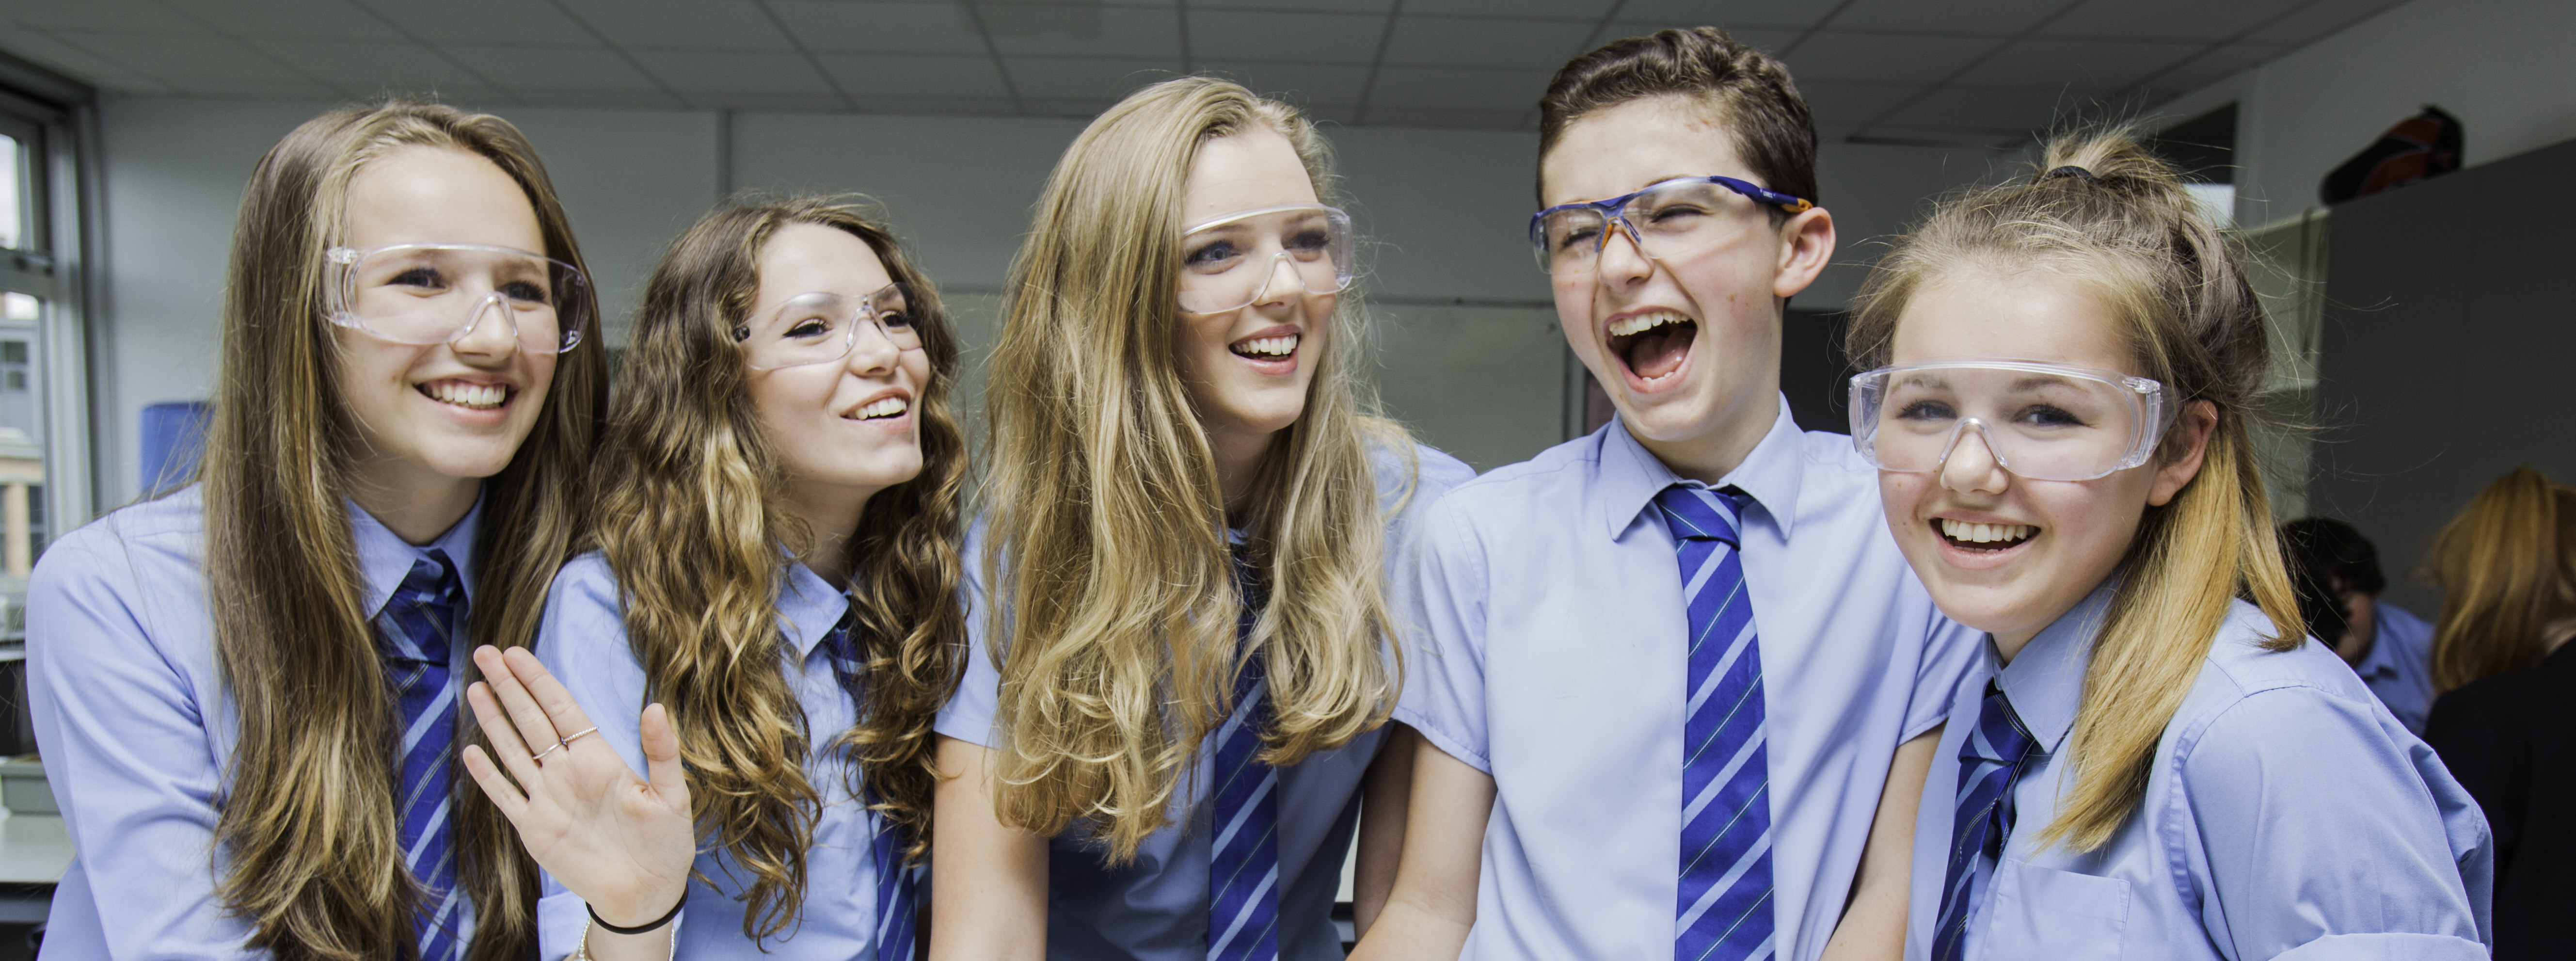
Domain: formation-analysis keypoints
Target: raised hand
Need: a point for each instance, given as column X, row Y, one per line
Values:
column 623, row 843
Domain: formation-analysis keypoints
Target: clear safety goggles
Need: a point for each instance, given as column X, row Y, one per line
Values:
column 438, row 293
column 1233, row 260
column 1669, row 218
column 819, row 328
column 2040, row 421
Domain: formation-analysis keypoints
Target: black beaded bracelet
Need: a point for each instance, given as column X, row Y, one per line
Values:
column 638, row 929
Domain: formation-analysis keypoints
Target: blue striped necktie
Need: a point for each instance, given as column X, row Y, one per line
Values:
column 898, row 884
column 1243, row 857
column 1723, row 902
column 416, row 625
column 1990, row 761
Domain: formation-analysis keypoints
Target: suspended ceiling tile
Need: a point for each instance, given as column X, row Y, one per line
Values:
column 185, row 61
column 1345, row 115
column 1583, row 11
column 839, row 26
column 484, row 22
column 1484, row 42
column 1950, row 16
column 2214, row 65
column 1076, row 108
column 1438, row 117
column 1979, row 110
column 1303, row 83
column 1084, row 77
column 2318, row 20
column 1770, row 40
column 1082, row 31
column 2202, row 20
column 1337, row 6
column 289, row 19
column 1445, row 88
column 1884, row 58
column 72, row 61
column 1273, row 35
column 945, row 106
column 555, row 68
column 2088, row 66
column 259, row 90
column 698, row 75
column 574, row 97
column 99, row 16
column 774, row 102
column 738, row 25
column 1853, row 105
column 360, row 65
column 1729, row 13
column 870, row 77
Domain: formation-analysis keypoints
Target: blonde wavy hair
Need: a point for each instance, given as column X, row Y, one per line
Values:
column 311, row 852
column 1113, row 603
column 2123, row 226
column 690, row 521
column 2507, row 569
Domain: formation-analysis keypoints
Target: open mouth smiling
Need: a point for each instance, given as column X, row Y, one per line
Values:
column 1653, row 345
column 466, row 394
column 1982, row 538
column 1266, row 348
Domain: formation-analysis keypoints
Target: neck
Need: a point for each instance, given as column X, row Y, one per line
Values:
column 1709, row 456
column 1238, row 464
column 830, row 514
column 416, row 505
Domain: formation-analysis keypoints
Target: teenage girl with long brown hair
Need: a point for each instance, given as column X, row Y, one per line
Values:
column 772, row 608
column 2150, row 762
column 1182, row 665
column 247, row 692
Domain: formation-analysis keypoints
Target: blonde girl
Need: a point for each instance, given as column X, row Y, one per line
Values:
column 771, row 608
column 247, row 691
column 1183, row 666
column 2152, row 762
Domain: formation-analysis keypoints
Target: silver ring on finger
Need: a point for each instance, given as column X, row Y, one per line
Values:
column 541, row 755
column 585, row 732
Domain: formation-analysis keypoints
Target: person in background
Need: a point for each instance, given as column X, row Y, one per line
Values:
column 2336, row 573
column 248, row 693
column 2506, row 720
column 1173, row 711
column 772, row 606
column 2151, row 761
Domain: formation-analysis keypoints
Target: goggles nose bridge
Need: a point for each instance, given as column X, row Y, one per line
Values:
column 474, row 317
column 1960, row 432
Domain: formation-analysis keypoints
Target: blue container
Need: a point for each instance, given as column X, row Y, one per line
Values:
column 174, row 434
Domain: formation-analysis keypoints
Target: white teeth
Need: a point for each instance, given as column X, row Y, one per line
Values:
column 1644, row 322
column 461, row 394
column 1965, row 532
column 889, row 407
column 1269, row 346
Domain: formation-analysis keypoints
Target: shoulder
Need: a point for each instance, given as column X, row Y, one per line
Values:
column 584, row 610
column 2255, row 705
column 1412, row 473
column 586, row 578
column 1557, row 469
column 128, row 555
column 1833, row 479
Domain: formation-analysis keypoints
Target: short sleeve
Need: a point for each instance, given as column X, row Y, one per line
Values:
column 2323, row 835
column 1950, row 653
column 582, row 642
column 1444, row 587
column 968, row 715
column 125, row 742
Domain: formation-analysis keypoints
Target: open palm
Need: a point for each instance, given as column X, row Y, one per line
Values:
column 622, row 843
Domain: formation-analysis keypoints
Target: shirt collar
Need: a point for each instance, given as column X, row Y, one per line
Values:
column 384, row 558
column 1631, row 475
column 2046, row 681
column 808, row 607
column 2381, row 662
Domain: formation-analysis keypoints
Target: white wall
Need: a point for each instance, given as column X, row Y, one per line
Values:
column 2506, row 68
column 1467, row 352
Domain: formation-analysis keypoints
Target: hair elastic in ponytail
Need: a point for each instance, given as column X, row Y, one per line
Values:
column 2071, row 170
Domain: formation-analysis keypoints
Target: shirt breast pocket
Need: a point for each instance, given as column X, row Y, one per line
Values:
column 2045, row 913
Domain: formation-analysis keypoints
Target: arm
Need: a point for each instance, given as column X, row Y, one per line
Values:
column 1434, row 901
column 987, row 881
column 2486, row 758
column 624, row 844
column 1873, row 922
column 1385, row 794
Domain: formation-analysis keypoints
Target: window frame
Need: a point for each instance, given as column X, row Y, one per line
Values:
column 61, row 240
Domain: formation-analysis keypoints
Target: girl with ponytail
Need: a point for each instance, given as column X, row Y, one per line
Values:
column 2154, row 762
column 247, row 692
column 729, row 710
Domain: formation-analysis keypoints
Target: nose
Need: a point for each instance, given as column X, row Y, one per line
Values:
column 872, row 350
column 1973, row 466
column 1276, row 289
column 1621, row 259
column 491, row 332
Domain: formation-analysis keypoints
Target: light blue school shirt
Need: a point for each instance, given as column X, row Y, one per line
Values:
column 583, row 642
column 2400, row 666
column 136, row 730
column 2288, row 815
column 1555, row 658
column 1155, row 908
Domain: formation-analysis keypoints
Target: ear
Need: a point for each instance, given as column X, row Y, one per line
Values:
column 2188, row 444
column 1806, row 245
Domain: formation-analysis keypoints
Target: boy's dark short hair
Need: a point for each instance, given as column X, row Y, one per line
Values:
column 2328, row 559
column 1773, row 131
